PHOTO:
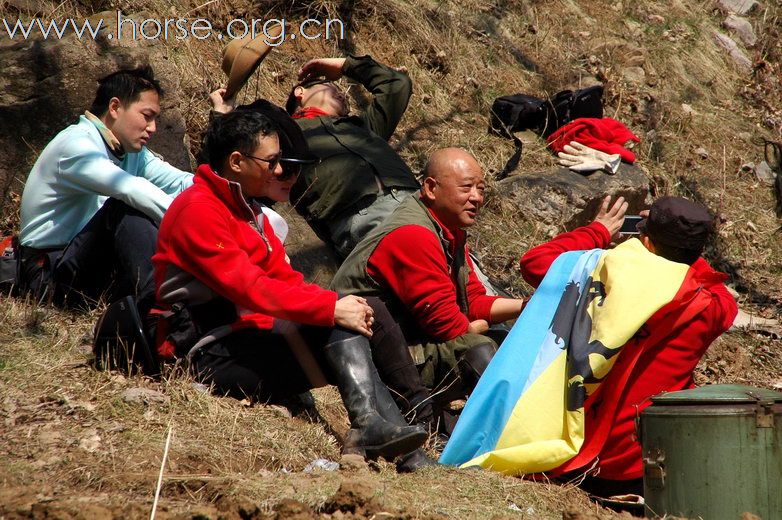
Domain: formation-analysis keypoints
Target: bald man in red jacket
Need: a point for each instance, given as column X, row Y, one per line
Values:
column 418, row 263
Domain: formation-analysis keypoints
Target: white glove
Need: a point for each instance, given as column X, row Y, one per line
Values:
column 581, row 158
column 577, row 148
column 581, row 164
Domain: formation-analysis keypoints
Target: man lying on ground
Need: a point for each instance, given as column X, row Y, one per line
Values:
column 95, row 196
column 418, row 263
column 256, row 328
column 360, row 178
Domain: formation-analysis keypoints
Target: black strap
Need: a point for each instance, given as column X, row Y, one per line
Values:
column 513, row 162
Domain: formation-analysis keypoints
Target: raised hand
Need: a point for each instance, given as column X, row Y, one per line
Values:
column 328, row 68
column 612, row 218
column 219, row 103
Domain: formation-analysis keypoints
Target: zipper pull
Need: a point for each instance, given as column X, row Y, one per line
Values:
column 257, row 227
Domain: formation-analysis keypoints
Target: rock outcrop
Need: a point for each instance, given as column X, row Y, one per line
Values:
column 564, row 197
column 738, row 56
column 742, row 28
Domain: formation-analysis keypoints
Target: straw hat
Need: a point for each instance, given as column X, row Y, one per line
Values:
column 243, row 55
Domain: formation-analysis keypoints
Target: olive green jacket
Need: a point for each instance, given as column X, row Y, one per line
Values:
column 354, row 150
column 353, row 278
column 436, row 360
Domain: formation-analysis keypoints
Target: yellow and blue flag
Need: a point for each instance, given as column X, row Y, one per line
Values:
column 526, row 415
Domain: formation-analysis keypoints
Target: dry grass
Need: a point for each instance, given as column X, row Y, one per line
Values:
column 68, row 432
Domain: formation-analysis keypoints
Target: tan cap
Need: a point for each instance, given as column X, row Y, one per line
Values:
column 243, row 55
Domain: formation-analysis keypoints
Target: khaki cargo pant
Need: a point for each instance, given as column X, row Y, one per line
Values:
column 437, row 362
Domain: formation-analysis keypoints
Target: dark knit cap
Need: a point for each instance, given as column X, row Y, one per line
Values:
column 678, row 222
column 292, row 142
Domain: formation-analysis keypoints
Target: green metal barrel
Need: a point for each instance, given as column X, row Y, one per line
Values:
column 713, row 452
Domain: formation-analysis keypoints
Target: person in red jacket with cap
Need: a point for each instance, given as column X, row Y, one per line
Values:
column 247, row 322
column 676, row 229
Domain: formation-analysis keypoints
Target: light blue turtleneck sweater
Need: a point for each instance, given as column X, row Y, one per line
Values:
column 76, row 173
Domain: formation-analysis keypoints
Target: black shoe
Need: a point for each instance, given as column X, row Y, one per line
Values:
column 376, row 437
column 368, row 403
column 414, row 461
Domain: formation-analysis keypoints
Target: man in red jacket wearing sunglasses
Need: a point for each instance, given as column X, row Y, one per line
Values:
column 256, row 328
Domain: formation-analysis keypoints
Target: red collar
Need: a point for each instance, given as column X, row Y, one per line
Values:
column 706, row 274
column 228, row 192
column 310, row 113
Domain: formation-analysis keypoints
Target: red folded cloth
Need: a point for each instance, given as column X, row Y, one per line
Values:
column 606, row 134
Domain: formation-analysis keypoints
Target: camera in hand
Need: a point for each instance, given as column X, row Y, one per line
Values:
column 629, row 225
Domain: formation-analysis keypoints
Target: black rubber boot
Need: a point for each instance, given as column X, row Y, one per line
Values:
column 396, row 367
column 362, row 391
column 422, row 412
column 408, row 462
column 413, row 397
column 473, row 363
column 414, row 461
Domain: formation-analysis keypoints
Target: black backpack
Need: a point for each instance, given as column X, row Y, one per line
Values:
column 120, row 342
column 513, row 114
column 568, row 105
column 516, row 113
column 523, row 112
column 9, row 265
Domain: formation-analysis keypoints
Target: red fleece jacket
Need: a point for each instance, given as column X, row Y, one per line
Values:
column 411, row 262
column 210, row 233
column 606, row 134
column 666, row 366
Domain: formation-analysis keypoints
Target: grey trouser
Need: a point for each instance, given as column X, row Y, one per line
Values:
column 349, row 228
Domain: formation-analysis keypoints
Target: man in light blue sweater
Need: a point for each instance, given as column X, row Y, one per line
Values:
column 95, row 197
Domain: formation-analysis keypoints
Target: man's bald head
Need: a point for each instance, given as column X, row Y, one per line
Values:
column 453, row 187
column 448, row 161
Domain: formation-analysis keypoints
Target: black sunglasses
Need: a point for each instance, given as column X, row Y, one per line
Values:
column 271, row 162
column 289, row 168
